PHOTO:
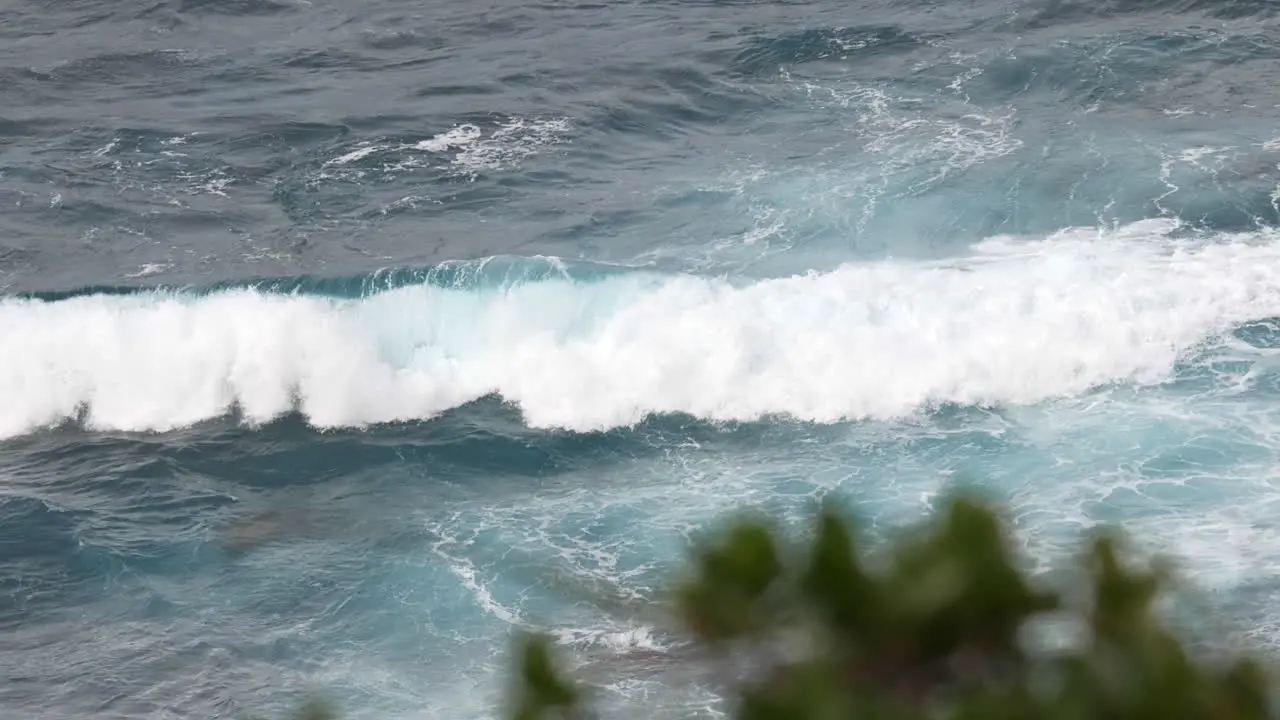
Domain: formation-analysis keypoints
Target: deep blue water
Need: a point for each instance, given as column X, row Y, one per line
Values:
column 486, row 308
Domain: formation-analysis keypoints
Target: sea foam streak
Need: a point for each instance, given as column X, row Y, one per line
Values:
column 1015, row 322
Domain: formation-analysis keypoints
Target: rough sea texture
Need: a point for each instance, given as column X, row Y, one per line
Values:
column 485, row 303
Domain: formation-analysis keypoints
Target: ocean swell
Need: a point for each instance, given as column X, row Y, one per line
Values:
column 1015, row 321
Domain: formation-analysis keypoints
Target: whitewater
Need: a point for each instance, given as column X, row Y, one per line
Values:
column 1016, row 322
column 338, row 345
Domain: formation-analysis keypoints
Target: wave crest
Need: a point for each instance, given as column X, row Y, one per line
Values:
column 1015, row 322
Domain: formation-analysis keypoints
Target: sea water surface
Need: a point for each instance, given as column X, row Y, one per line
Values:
column 338, row 341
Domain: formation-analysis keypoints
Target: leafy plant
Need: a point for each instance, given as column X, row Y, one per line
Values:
column 934, row 625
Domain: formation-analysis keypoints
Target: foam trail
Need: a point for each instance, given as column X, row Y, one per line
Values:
column 1015, row 322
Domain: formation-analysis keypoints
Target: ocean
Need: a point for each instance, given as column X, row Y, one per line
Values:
column 338, row 342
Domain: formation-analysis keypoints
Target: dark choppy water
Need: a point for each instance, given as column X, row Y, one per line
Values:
column 487, row 301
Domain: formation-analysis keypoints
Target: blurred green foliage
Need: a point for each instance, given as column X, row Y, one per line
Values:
column 932, row 625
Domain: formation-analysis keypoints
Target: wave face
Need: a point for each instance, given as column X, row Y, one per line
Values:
column 1017, row 321
column 338, row 345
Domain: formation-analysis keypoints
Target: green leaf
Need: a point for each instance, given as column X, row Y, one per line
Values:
column 541, row 692
column 316, row 709
column 836, row 583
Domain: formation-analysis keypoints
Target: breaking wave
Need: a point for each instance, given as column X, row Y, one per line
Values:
column 1015, row 321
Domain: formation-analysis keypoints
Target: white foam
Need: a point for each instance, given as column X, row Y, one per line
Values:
column 510, row 144
column 905, row 136
column 149, row 269
column 363, row 151
column 1016, row 322
column 454, row 137
column 474, row 152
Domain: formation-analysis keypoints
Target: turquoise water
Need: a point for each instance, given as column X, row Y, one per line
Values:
column 478, row 314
